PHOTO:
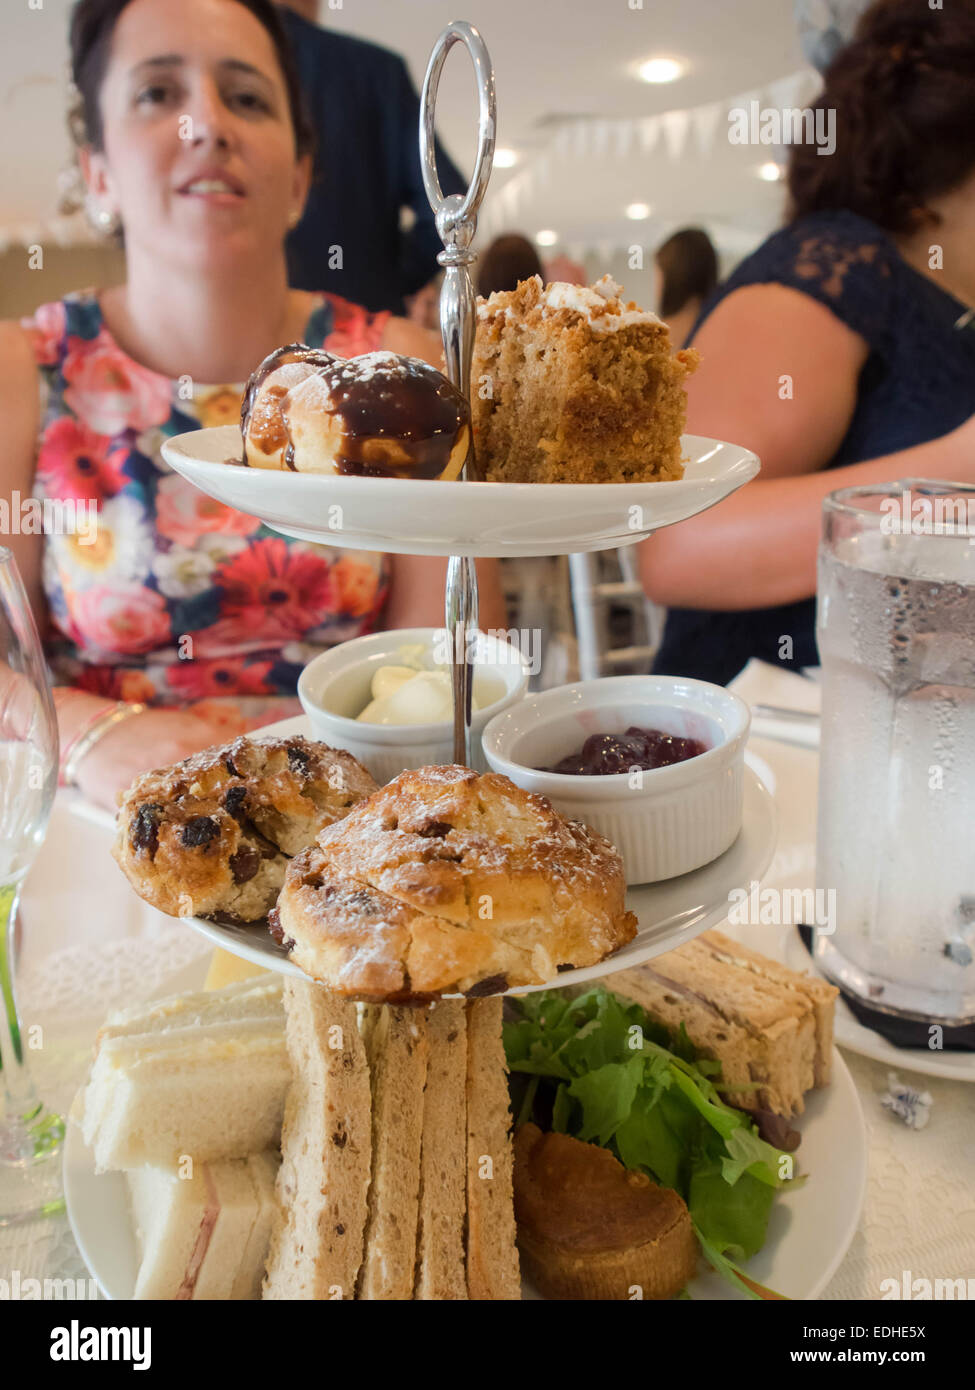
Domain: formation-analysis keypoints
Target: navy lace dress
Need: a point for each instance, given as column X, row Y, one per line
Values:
column 917, row 383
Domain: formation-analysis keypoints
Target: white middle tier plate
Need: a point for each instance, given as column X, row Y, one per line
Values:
column 668, row 913
column 421, row 517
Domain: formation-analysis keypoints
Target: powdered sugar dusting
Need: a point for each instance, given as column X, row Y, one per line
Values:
column 392, row 903
column 462, row 825
column 346, row 371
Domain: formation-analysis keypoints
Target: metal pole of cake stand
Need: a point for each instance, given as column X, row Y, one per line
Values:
column 456, row 223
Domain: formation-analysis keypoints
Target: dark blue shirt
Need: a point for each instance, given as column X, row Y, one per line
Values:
column 365, row 112
column 917, row 384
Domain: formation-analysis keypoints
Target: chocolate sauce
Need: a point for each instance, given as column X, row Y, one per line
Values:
column 280, row 357
column 269, row 428
column 401, row 418
column 275, row 432
column 396, row 426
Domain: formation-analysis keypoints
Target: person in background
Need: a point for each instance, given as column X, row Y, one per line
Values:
column 842, row 351
column 424, row 306
column 685, row 275
column 177, row 623
column 365, row 114
column 507, row 261
column 566, row 270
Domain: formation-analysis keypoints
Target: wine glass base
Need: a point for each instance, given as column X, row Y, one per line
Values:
column 30, row 1167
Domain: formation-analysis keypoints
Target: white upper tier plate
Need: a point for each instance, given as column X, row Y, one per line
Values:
column 420, row 517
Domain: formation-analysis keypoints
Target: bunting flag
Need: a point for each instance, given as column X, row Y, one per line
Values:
column 649, row 128
column 670, row 135
column 704, row 123
column 675, row 124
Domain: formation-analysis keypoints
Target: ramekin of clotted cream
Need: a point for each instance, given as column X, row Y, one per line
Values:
column 388, row 698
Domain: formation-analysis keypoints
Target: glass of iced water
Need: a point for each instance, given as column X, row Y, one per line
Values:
column 896, row 832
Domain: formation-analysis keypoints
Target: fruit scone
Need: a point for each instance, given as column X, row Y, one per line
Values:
column 446, row 881
column 213, row 835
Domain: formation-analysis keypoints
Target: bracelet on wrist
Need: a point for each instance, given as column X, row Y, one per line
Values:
column 93, row 730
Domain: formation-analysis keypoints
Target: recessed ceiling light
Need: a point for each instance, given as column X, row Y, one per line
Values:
column 660, row 70
column 505, row 158
column 638, row 212
column 546, row 238
column 770, row 172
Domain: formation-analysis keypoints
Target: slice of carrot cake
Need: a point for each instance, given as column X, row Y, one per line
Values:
column 571, row 385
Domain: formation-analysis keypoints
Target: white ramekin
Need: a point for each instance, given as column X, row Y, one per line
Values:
column 335, row 687
column 665, row 822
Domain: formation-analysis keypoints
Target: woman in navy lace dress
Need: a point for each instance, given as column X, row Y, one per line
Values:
column 842, row 351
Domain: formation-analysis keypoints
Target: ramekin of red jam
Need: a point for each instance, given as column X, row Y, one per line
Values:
column 655, row 764
column 637, row 749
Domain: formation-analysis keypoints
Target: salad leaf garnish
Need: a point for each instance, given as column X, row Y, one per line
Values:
column 599, row 1068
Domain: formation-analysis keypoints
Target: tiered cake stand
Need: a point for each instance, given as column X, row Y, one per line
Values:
column 471, row 518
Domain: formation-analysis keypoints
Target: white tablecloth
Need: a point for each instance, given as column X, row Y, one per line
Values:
column 90, row 945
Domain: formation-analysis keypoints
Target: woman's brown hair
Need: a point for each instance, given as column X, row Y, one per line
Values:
column 903, row 91
column 92, row 26
column 507, row 261
column 689, row 267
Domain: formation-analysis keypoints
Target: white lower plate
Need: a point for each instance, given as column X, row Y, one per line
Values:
column 422, row 517
column 809, row 1231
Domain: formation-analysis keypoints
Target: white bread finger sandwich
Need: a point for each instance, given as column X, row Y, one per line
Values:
column 203, row 1234
column 203, row 1075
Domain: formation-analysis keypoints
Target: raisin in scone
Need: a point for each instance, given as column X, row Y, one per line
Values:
column 445, row 881
column 213, row 835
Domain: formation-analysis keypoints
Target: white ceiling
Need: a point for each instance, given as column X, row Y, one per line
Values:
column 559, row 60
column 554, row 59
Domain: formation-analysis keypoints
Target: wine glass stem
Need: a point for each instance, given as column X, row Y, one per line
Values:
column 17, row 1085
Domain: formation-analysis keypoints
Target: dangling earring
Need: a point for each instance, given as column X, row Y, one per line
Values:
column 105, row 222
column 294, row 217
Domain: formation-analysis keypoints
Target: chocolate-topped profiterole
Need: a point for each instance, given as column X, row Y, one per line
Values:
column 381, row 415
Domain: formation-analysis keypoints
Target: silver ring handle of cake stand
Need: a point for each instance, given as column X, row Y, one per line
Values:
column 456, row 218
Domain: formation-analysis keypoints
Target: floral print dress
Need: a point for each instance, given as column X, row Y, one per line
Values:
column 174, row 598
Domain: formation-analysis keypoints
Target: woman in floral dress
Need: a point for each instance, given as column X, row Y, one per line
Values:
column 196, row 146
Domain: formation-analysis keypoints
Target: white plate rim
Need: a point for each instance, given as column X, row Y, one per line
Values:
column 851, row 1034
column 840, row 1069
column 760, row 819
column 106, row 1240
column 180, row 446
column 673, row 929
column 565, row 523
